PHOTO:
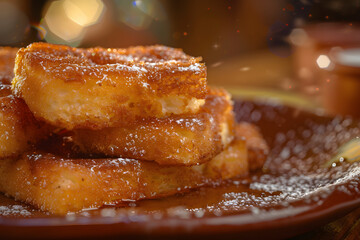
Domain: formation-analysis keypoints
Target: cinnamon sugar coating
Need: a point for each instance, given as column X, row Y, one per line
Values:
column 97, row 88
column 186, row 139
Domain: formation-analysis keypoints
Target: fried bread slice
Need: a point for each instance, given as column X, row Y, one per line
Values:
column 19, row 130
column 176, row 140
column 257, row 152
column 96, row 88
column 256, row 145
column 60, row 185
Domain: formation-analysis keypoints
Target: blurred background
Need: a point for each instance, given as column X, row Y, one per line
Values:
column 284, row 48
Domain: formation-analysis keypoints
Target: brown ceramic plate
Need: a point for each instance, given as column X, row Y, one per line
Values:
column 294, row 194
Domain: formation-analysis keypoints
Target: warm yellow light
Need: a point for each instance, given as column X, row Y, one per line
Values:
column 323, row 61
column 84, row 12
column 58, row 23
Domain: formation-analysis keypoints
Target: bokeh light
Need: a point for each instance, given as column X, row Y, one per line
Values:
column 65, row 21
column 84, row 12
column 59, row 24
column 323, row 61
column 139, row 14
column 350, row 57
column 152, row 8
column 298, row 37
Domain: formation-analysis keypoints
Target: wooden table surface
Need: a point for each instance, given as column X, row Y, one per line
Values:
column 265, row 75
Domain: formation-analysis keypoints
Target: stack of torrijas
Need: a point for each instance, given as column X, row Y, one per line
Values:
column 82, row 128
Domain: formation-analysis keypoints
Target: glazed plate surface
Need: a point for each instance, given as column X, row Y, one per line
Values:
column 297, row 191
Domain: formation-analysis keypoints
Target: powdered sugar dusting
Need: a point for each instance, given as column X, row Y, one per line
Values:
column 14, row 210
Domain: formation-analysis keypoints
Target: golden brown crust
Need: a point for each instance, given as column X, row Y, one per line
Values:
column 60, row 185
column 230, row 163
column 176, row 140
column 19, row 130
column 7, row 62
column 258, row 149
column 97, row 88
